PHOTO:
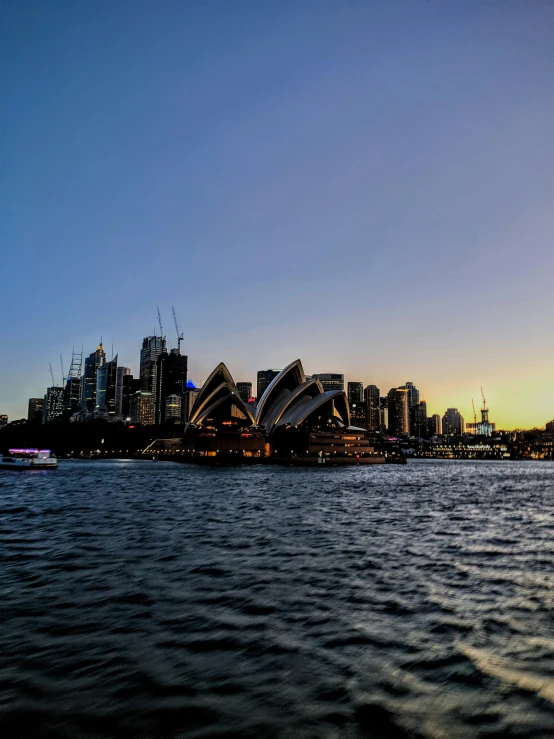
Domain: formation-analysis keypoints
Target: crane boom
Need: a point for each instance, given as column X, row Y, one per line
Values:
column 160, row 324
column 63, row 373
column 178, row 329
column 52, row 374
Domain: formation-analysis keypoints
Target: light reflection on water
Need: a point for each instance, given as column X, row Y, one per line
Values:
column 153, row 599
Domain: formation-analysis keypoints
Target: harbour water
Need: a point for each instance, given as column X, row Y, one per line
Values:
column 143, row 599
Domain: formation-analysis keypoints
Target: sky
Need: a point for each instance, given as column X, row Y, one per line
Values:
column 368, row 186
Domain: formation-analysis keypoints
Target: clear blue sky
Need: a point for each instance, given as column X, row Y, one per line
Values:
column 366, row 185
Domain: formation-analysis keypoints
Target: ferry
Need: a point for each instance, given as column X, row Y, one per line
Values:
column 28, row 459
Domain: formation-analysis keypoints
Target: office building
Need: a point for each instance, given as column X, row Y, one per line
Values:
column 413, row 394
column 53, row 404
column 384, row 408
column 171, row 379
column 120, row 384
column 106, row 376
column 418, row 420
column 453, row 423
column 264, row 379
column 434, row 425
column 173, row 408
column 88, row 391
column 34, row 412
column 142, row 408
column 355, row 393
column 245, row 390
column 330, row 381
column 399, row 420
column 152, row 347
column 373, row 408
column 72, row 396
column 191, row 393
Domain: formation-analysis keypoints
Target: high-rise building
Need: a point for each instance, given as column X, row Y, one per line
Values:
column 355, row 393
column 191, row 393
column 53, row 404
column 142, row 408
column 34, row 413
column 88, row 392
column 3, row 419
column 418, row 420
column 121, row 373
column 173, row 408
column 331, row 381
column 106, row 376
column 453, row 423
column 384, row 408
column 171, row 379
column 245, row 390
column 264, row 379
column 434, row 425
column 373, row 408
column 152, row 347
column 72, row 395
column 413, row 394
column 398, row 411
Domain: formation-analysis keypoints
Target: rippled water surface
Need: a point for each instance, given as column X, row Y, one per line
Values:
column 143, row 599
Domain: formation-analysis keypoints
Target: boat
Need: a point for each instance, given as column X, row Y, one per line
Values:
column 28, row 459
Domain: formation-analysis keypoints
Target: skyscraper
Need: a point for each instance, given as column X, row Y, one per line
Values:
column 121, row 373
column 105, row 389
column 413, row 394
column 88, row 393
column 53, row 404
column 373, row 410
column 434, row 425
column 398, row 411
column 171, row 379
column 453, row 423
column 264, row 380
column 355, row 393
column 34, row 413
column 152, row 347
column 418, row 420
column 245, row 390
column 331, row 381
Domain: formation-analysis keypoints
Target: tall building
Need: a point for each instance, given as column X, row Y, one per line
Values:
column 34, row 413
column 355, row 393
column 88, row 392
column 398, row 411
column 264, row 380
column 418, row 420
column 191, row 393
column 53, row 404
column 73, row 385
column 453, row 423
column 373, row 408
column 142, row 408
column 413, row 394
column 171, row 380
column 4, row 419
column 434, row 425
column 245, row 390
column 106, row 376
column 384, row 408
column 152, row 347
column 173, row 408
column 121, row 373
column 331, row 381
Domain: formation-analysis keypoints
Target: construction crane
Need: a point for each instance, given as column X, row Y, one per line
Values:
column 52, row 374
column 63, row 373
column 484, row 410
column 178, row 329
column 160, row 325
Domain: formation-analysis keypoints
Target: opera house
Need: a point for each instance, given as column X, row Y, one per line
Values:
column 295, row 420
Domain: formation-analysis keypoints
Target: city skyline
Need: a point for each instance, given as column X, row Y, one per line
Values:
column 369, row 182
column 141, row 372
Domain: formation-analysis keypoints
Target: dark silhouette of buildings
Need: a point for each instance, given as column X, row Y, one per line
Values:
column 264, row 379
column 171, row 379
column 34, row 413
column 397, row 401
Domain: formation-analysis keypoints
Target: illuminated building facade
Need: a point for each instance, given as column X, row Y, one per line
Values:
column 373, row 408
column 53, row 404
column 106, row 377
column 245, row 390
column 152, row 347
column 171, row 379
column 92, row 362
column 330, row 381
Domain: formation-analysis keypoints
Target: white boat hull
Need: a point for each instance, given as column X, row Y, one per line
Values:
column 25, row 463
